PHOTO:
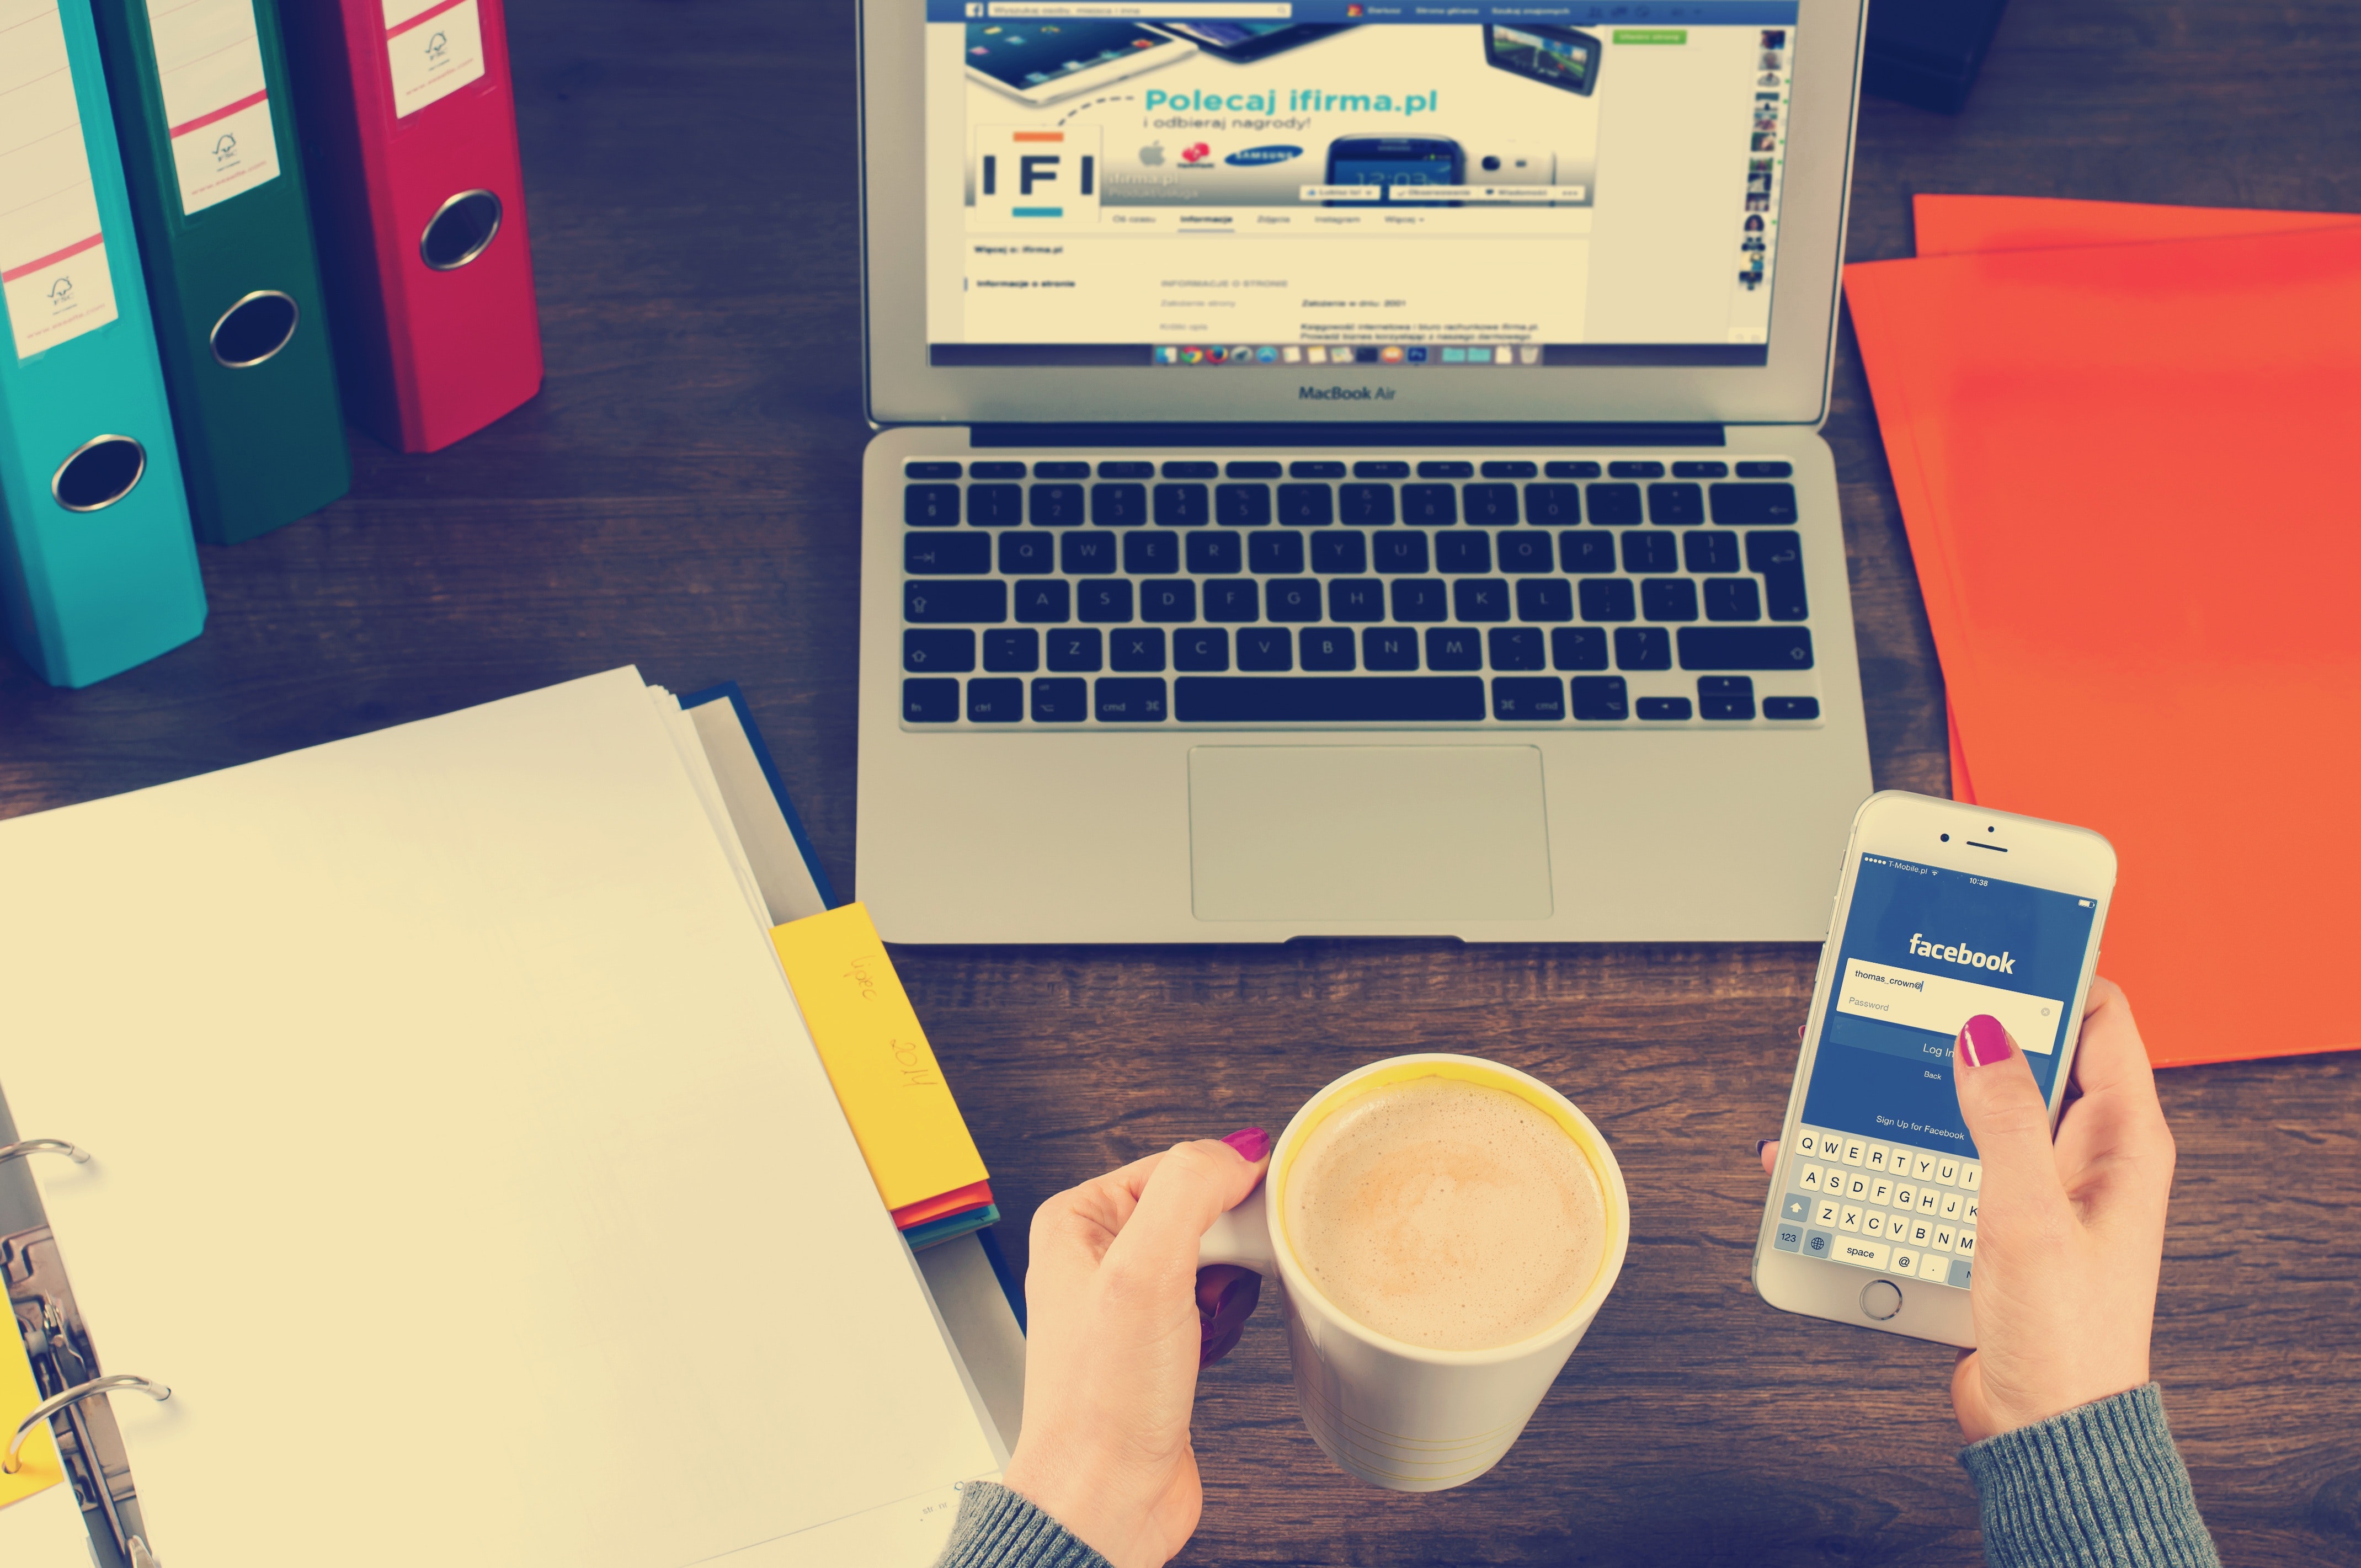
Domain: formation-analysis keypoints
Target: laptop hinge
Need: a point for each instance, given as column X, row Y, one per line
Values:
column 1343, row 434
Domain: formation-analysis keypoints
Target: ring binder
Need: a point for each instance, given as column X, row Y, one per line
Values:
column 74, row 1395
column 43, row 1145
column 90, row 1444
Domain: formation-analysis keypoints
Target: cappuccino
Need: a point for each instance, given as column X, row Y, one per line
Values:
column 1447, row 1213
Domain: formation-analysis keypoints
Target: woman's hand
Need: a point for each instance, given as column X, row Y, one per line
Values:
column 2069, row 1236
column 1118, row 1324
column 2072, row 1232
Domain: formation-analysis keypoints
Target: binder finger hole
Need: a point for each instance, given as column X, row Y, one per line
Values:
column 254, row 328
column 100, row 473
column 460, row 231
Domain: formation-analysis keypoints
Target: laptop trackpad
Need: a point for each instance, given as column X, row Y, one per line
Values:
column 1352, row 834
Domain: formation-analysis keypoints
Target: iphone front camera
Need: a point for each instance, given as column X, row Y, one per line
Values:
column 1946, row 838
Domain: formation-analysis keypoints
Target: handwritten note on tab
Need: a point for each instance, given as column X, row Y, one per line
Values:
column 210, row 58
column 886, row 1075
column 37, row 1467
column 53, row 270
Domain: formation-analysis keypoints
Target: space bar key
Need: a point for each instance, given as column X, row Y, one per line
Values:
column 1314, row 699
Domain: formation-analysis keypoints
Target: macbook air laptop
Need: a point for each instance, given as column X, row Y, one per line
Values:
column 1353, row 468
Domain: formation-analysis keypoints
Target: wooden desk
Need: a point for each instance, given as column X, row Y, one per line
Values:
column 684, row 496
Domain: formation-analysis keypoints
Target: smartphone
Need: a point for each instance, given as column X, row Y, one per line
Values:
column 1942, row 911
column 1559, row 56
column 1397, row 163
column 1240, row 42
column 1041, row 62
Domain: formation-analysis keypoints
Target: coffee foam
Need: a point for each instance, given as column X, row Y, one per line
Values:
column 1445, row 1214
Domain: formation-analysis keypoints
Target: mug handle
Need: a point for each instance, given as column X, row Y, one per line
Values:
column 1242, row 1236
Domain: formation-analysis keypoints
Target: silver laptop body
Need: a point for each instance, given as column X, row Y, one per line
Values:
column 1341, row 474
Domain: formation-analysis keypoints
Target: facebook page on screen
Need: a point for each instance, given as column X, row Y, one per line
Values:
column 1286, row 182
column 1923, row 950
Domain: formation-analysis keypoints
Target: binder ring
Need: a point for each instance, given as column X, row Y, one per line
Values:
column 43, row 1145
column 74, row 1395
column 254, row 328
column 98, row 472
column 461, row 229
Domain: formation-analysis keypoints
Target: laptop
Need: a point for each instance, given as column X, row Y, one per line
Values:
column 1352, row 469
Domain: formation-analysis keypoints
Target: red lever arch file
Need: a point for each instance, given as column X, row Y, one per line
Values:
column 410, row 127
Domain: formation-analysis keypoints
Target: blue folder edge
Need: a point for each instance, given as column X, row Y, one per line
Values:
column 728, row 691
column 1010, row 1286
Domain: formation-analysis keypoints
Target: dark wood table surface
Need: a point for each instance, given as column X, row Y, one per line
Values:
column 684, row 496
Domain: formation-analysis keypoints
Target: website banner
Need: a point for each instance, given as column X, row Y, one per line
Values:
column 1349, row 122
column 1435, row 182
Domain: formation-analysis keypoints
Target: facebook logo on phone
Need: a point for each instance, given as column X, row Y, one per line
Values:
column 1922, row 951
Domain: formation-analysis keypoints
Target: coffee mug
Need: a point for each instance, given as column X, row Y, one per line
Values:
column 1394, row 1414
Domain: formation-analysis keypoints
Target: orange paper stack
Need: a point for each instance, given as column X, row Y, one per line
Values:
column 2117, row 434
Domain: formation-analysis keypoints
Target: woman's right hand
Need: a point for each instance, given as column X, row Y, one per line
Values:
column 2070, row 1233
column 2071, row 1237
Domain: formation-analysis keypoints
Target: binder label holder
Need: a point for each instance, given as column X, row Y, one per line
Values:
column 434, row 48
column 53, row 270
column 209, row 58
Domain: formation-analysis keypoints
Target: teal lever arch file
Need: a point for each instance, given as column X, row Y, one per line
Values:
column 98, row 568
column 210, row 154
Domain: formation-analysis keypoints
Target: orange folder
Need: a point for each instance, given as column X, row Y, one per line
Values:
column 1952, row 225
column 2116, row 463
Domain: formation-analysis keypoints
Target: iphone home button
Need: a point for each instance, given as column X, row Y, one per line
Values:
column 1881, row 1299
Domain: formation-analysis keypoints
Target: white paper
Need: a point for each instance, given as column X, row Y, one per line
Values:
column 462, row 1161
column 215, row 103
column 434, row 47
column 53, row 270
column 45, row 1530
column 909, row 1533
column 685, row 740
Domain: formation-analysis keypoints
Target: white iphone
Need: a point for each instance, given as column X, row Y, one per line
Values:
column 1942, row 911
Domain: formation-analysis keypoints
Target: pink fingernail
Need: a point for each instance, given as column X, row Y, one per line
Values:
column 1252, row 1143
column 1982, row 1041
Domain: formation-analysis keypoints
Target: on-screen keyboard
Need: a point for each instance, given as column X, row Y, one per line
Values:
column 1640, row 593
column 1890, row 1208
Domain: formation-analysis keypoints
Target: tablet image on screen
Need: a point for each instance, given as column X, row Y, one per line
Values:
column 1239, row 42
column 1559, row 56
column 1040, row 62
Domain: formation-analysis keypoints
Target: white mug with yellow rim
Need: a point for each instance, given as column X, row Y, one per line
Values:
column 1390, row 1413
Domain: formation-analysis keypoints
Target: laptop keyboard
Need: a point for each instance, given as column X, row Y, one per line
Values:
column 1635, row 593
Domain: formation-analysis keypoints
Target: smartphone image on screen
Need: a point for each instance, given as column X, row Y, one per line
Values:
column 1398, row 164
column 1559, row 56
column 1040, row 62
column 1240, row 42
column 1944, row 911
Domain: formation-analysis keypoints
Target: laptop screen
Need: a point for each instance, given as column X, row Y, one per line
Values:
column 1292, row 182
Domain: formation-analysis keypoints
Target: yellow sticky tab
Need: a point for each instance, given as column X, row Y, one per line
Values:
column 37, row 1469
column 887, row 1078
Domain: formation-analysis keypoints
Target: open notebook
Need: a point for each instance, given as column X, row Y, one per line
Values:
column 463, row 1165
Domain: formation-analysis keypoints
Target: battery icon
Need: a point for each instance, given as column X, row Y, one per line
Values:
column 2083, row 902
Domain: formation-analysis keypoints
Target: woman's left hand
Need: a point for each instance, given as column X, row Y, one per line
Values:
column 1119, row 1321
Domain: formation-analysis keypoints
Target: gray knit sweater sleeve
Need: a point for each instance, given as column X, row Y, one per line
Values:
column 2099, row 1486
column 998, row 1529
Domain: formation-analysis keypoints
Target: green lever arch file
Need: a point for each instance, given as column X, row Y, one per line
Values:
column 203, row 114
